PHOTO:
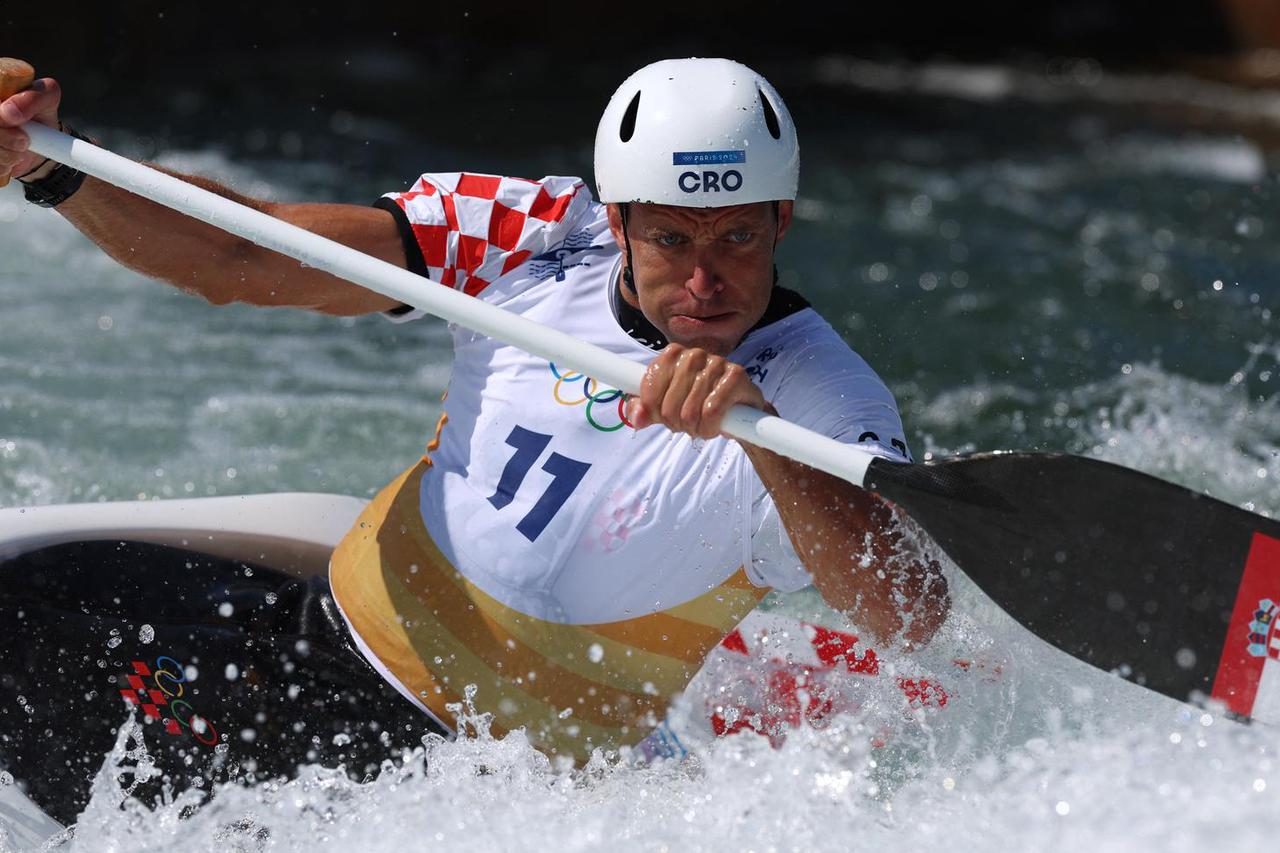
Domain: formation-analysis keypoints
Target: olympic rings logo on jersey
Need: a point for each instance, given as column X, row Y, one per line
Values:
column 599, row 400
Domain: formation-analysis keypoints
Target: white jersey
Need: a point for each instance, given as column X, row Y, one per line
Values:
column 539, row 493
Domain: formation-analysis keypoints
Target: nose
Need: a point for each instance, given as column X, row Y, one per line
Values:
column 704, row 282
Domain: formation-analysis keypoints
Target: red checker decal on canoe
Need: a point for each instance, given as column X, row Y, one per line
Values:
column 1239, row 671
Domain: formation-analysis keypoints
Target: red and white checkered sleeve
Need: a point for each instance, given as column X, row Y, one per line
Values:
column 467, row 231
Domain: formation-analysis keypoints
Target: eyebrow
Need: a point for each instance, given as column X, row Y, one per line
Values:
column 734, row 225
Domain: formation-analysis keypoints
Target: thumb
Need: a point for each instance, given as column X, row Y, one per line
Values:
column 38, row 103
column 637, row 414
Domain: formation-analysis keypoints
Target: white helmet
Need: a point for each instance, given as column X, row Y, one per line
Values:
column 696, row 133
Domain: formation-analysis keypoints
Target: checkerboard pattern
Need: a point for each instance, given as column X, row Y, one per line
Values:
column 474, row 229
column 148, row 699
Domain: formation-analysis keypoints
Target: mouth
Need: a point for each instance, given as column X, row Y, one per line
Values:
column 712, row 332
column 701, row 320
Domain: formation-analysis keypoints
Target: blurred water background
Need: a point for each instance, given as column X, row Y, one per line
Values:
column 1040, row 256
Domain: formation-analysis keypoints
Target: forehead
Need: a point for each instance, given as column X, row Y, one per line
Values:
column 701, row 218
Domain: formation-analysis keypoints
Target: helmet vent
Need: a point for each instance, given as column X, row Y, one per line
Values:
column 628, row 128
column 770, row 116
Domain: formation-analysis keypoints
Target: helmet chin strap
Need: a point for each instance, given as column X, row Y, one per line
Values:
column 628, row 272
column 777, row 224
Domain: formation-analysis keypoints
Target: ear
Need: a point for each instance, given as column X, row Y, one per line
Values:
column 785, row 209
column 615, row 226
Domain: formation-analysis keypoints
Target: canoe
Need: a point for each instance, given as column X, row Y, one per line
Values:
column 777, row 662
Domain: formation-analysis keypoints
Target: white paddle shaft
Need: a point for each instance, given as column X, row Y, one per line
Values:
column 744, row 422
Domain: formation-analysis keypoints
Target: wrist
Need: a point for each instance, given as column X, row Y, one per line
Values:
column 39, row 173
column 761, row 457
column 52, row 183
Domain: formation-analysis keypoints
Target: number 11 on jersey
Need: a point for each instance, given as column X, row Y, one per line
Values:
column 565, row 473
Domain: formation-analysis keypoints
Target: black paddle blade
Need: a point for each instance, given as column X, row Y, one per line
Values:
column 1172, row 589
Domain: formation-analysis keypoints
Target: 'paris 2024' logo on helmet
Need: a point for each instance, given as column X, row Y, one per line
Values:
column 707, row 180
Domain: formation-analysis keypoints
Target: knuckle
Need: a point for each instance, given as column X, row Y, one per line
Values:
column 691, row 357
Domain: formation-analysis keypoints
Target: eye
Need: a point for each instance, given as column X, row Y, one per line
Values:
column 668, row 240
column 740, row 236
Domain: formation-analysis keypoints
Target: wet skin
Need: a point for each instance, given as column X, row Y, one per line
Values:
column 703, row 278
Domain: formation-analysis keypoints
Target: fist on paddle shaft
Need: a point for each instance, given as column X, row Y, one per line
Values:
column 690, row 390
column 23, row 99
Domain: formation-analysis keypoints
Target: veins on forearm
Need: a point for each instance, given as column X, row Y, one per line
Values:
column 192, row 255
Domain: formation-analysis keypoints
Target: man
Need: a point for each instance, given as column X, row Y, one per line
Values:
column 553, row 550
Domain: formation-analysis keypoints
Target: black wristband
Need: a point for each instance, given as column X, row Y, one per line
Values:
column 60, row 184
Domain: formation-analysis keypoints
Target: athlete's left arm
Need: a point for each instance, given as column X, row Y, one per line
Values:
column 847, row 538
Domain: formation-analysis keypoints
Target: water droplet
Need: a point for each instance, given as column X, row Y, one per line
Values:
column 595, row 653
column 113, row 642
column 232, row 672
column 225, row 609
column 341, row 739
column 271, row 598
column 146, row 633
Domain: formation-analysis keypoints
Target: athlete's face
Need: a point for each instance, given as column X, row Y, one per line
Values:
column 703, row 275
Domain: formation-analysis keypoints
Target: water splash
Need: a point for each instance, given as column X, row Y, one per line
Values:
column 1109, row 787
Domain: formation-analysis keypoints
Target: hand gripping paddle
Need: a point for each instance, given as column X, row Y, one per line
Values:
column 15, row 75
column 1167, row 587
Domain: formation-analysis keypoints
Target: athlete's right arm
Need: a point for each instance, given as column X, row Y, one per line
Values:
column 196, row 257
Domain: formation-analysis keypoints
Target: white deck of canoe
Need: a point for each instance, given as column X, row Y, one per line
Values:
column 292, row 532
